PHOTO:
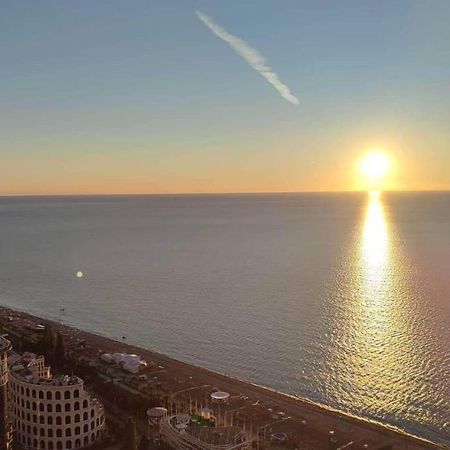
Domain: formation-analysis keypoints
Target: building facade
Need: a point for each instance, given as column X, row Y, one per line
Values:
column 5, row 419
column 52, row 413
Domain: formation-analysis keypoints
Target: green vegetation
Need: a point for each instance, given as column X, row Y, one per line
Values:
column 52, row 345
column 48, row 342
column 60, row 347
column 199, row 420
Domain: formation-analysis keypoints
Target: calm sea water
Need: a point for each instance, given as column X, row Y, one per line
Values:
column 340, row 298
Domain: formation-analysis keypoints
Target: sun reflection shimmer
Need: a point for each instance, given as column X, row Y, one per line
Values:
column 375, row 309
column 375, row 361
column 375, row 245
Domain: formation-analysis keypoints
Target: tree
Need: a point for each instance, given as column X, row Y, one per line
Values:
column 130, row 435
column 60, row 348
column 48, row 342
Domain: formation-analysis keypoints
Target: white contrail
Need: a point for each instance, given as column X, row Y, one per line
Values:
column 251, row 55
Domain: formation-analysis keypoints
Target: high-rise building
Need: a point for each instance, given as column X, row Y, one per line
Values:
column 52, row 413
column 5, row 420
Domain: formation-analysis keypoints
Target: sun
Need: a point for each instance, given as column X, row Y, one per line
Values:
column 375, row 165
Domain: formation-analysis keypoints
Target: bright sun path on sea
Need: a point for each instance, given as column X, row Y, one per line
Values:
column 374, row 167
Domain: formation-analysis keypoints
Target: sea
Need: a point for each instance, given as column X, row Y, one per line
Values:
column 340, row 298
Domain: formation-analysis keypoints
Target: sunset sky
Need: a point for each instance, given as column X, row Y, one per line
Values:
column 222, row 96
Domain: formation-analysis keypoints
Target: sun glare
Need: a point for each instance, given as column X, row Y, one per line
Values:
column 375, row 165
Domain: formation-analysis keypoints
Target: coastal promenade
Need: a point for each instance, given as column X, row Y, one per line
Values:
column 315, row 426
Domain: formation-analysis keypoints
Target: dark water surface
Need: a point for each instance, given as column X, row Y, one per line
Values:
column 340, row 298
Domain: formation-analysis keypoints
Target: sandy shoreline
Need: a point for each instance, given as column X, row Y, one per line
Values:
column 320, row 416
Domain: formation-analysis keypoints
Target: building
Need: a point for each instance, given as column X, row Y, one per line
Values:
column 182, row 433
column 5, row 419
column 52, row 413
column 129, row 362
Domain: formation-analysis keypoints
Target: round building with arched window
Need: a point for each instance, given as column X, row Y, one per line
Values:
column 52, row 413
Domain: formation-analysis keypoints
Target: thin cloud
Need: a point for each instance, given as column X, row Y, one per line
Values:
column 251, row 55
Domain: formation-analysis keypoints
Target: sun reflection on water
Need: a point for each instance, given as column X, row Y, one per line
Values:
column 376, row 260
column 373, row 336
column 376, row 361
column 375, row 244
column 375, row 318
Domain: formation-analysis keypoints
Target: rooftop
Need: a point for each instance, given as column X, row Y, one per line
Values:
column 5, row 345
column 30, row 368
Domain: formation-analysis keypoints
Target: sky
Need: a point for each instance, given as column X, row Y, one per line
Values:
column 113, row 96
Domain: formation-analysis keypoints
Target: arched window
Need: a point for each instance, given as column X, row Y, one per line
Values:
column 49, row 395
column 28, row 404
column 76, row 406
column 42, row 444
column 22, row 403
column 59, row 445
column 28, row 417
column 92, row 412
column 85, row 440
column 77, row 418
column 77, row 430
column 49, row 407
column 92, row 437
column 69, row 444
column 85, row 428
column 92, row 425
column 66, row 395
column 42, row 432
column 76, row 393
column 68, row 420
column 58, row 432
column 50, row 445
column 34, row 418
column 77, row 443
column 35, row 443
column 33, row 394
column 28, row 392
column 58, row 397
column 49, row 420
column 29, row 441
column 68, row 432
column 33, row 407
column 41, row 407
column 22, row 390
column 58, row 420
column 41, row 395
column 28, row 429
column 35, row 431
column 41, row 420
column 85, row 403
column 67, row 407
column 85, row 416
column 58, row 407
column 50, row 432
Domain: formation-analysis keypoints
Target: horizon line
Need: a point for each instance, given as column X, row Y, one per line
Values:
column 155, row 194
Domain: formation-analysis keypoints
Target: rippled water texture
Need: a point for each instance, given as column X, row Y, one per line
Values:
column 341, row 298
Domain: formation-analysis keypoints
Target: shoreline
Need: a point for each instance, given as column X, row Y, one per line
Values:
column 319, row 415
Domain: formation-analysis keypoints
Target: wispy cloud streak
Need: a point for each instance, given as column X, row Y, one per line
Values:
column 251, row 55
